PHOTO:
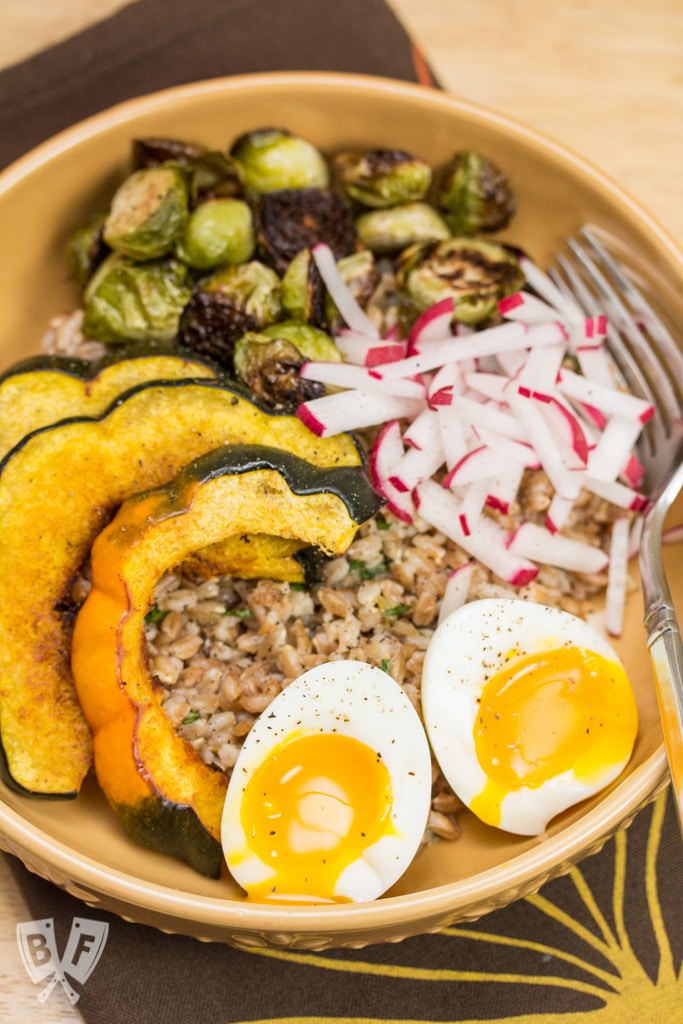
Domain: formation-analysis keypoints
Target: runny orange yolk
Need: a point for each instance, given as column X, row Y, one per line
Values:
column 546, row 713
column 311, row 809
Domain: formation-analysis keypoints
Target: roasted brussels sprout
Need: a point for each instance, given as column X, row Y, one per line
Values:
column 305, row 297
column 218, row 232
column 86, row 249
column 274, row 158
column 222, row 308
column 214, row 174
column 475, row 195
column 386, row 231
column 294, row 219
column 311, row 342
column 475, row 273
column 148, row 212
column 303, row 291
column 269, row 367
column 383, row 177
column 128, row 301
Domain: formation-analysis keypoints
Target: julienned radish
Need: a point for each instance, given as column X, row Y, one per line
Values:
column 464, row 414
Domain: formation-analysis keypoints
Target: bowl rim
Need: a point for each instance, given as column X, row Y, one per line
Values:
column 524, row 872
column 122, row 111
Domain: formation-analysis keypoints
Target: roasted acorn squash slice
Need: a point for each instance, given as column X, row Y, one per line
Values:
column 58, row 488
column 163, row 792
column 46, row 389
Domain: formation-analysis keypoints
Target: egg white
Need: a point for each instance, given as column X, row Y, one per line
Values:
column 353, row 699
column 466, row 649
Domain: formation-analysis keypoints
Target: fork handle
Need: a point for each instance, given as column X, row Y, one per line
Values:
column 666, row 652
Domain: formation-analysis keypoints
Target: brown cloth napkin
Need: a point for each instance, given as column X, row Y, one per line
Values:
column 602, row 944
column 153, row 44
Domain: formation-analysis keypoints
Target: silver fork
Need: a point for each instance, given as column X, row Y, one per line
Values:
column 651, row 365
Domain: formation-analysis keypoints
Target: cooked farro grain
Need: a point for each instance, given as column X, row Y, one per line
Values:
column 222, row 649
column 225, row 648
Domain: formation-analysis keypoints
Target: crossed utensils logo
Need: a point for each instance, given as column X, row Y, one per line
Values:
column 37, row 944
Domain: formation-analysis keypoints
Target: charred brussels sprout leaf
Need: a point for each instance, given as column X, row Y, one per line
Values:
column 85, row 250
column 475, row 273
column 294, row 219
column 475, row 195
column 387, row 231
column 219, row 231
column 225, row 306
column 148, row 212
column 383, row 177
column 214, row 173
column 269, row 367
column 137, row 302
column 273, row 159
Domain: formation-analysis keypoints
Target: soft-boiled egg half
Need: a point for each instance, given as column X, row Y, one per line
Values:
column 329, row 797
column 528, row 710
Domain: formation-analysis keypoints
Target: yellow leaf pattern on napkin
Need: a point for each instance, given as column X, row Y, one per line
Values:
column 597, row 962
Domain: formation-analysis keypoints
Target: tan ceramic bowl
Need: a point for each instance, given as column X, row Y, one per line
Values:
column 79, row 845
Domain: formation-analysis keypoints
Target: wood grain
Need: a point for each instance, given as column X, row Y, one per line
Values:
column 602, row 77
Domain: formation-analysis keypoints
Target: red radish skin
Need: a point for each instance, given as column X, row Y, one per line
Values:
column 431, row 325
column 386, row 452
column 457, row 590
column 489, row 404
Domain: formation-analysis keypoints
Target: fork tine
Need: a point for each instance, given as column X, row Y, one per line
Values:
column 629, row 368
column 643, row 368
column 632, row 340
column 651, row 322
column 652, row 365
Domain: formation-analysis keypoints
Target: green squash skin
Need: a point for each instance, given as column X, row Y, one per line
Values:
column 88, row 369
column 239, row 392
column 56, row 606
column 11, row 783
column 172, row 829
column 349, row 483
column 157, row 821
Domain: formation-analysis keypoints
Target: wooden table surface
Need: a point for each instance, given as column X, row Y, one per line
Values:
column 602, row 77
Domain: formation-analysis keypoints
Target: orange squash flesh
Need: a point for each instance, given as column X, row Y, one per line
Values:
column 58, row 488
column 152, row 778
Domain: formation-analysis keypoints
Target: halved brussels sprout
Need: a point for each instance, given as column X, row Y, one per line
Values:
column 294, row 219
column 475, row 195
column 127, row 301
column 473, row 272
column 386, row 231
column 274, row 158
column 305, row 296
column 86, row 249
column 311, row 342
column 303, row 291
column 214, row 173
column 218, row 232
column 269, row 367
column 383, row 177
column 148, row 212
column 225, row 306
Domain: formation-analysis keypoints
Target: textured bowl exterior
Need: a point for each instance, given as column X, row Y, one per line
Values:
column 78, row 845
